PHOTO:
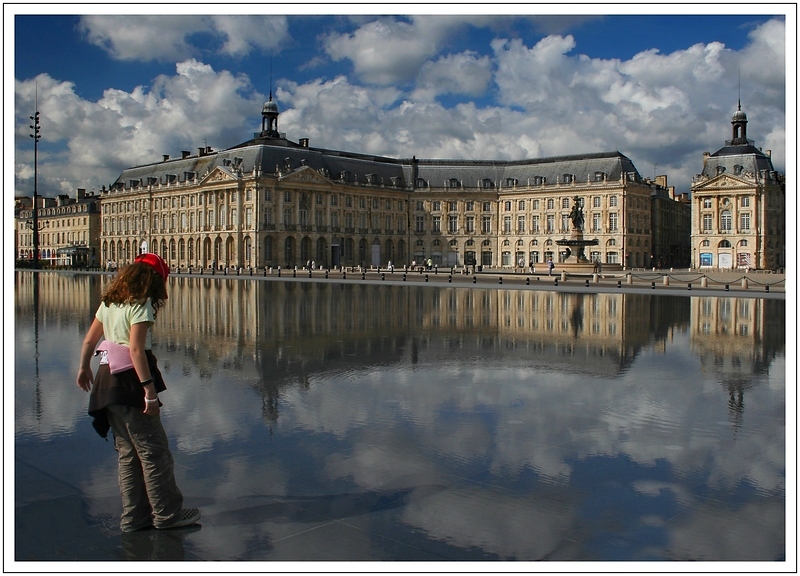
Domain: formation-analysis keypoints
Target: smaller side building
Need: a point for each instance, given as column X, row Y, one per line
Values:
column 738, row 207
column 69, row 230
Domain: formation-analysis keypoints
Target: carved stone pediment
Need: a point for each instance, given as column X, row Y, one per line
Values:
column 305, row 174
column 218, row 174
column 726, row 181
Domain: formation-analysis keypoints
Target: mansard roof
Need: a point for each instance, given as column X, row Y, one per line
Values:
column 278, row 155
column 580, row 168
column 735, row 159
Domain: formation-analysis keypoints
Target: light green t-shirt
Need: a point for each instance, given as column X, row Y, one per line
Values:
column 117, row 320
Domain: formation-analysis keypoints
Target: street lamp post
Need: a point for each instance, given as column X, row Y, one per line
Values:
column 35, row 136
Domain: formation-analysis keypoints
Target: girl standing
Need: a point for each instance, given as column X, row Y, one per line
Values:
column 124, row 395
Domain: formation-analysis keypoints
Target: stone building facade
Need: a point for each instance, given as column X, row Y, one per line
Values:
column 272, row 202
column 738, row 207
column 69, row 229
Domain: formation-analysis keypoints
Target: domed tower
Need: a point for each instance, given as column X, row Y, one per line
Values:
column 269, row 118
column 739, row 123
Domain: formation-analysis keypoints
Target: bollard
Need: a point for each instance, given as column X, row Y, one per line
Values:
column 294, row 273
column 689, row 286
column 653, row 285
column 744, row 283
column 501, row 279
column 766, row 288
column 619, row 283
column 383, row 276
column 426, row 277
column 704, row 282
column 727, row 287
column 475, row 280
column 344, row 275
column 404, row 276
column 363, row 275
column 629, row 278
column 555, row 281
column 587, row 282
column 563, row 276
column 326, row 274
column 527, row 281
column 450, row 279
column 666, row 281
column 595, row 278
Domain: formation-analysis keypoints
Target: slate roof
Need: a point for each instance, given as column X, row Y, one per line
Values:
column 272, row 154
column 750, row 158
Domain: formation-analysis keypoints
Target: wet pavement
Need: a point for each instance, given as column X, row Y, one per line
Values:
column 318, row 421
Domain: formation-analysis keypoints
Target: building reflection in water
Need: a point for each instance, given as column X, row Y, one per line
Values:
column 557, row 388
column 279, row 334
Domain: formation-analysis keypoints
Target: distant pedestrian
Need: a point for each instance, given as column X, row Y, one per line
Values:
column 550, row 266
column 124, row 395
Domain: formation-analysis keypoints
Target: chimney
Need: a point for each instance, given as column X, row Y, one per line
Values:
column 304, row 142
column 166, row 157
column 706, row 156
column 81, row 193
column 201, row 151
column 185, row 154
column 769, row 153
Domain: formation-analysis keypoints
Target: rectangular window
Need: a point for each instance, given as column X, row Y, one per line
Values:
column 706, row 202
column 565, row 222
column 437, row 224
column 746, row 202
column 535, row 224
column 520, row 224
column 612, row 222
column 470, row 206
column 521, row 205
column 535, row 204
column 595, row 222
column 707, row 222
column 486, row 225
column 437, row 206
column 487, row 206
column 596, row 202
column 452, row 206
column 744, row 222
column 287, row 196
column 420, row 206
column 470, row 224
column 452, row 225
column 507, row 224
column 551, row 224
column 420, row 224
column 612, row 201
column 318, row 217
column 550, row 204
column 565, row 202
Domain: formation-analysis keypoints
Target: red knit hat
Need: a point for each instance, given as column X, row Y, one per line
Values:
column 154, row 261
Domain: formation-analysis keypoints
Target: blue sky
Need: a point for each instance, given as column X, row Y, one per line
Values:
column 116, row 91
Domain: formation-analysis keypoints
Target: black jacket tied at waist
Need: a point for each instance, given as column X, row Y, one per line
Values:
column 122, row 389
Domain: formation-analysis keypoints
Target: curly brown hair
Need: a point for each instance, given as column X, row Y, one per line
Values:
column 136, row 283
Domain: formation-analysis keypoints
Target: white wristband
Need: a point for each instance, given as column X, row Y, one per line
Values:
column 151, row 401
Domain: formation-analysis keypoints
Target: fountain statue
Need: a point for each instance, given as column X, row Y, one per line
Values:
column 576, row 239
